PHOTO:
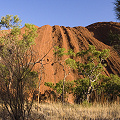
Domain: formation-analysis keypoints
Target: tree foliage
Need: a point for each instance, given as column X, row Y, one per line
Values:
column 93, row 62
column 80, row 89
column 58, row 87
column 114, row 40
column 110, row 86
column 67, row 64
column 10, row 21
column 117, row 9
column 17, row 77
column 91, row 66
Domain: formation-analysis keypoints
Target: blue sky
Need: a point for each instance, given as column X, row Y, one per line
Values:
column 60, row 12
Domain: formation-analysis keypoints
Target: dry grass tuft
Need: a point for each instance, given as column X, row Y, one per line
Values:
column 57, row 111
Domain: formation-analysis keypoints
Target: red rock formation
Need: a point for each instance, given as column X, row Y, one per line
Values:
column 77, row 38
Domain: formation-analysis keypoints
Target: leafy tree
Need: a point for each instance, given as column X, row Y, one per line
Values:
column 117, row 9
column 104, row 86
column 92, row 66
column 80, row 89
column 109, row 86
column 59, row 53
column 17, row 59
column 10, row 21
column 58, row 87
column 114, row 40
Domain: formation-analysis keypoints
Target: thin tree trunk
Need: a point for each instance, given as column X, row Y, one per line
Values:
column 89, row 92
column 63, row 92
column 63, row 89
column 40, row 82
column 39, row 90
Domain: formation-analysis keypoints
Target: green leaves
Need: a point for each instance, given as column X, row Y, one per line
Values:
column 58, row 87
column 71, row 53
column 109, row 85
column 105, row 54
column 92, row 65
column 16, row 51
column 49, row 84
column 114, row 40
column 81, row 86
column 15, row 31
column 117, row 9
column 59, row 51
column 71, row 63
column 30, row 79
column 10, row 21
column 18, row 80
column 29, row 35
column 16, row 20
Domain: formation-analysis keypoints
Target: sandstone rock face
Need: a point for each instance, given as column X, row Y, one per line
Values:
column 77, row 38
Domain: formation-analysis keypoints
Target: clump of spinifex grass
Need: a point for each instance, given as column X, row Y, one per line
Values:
column 58, row 111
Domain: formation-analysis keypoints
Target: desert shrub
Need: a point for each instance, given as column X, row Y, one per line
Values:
column 58, row 87
column 114, row 40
